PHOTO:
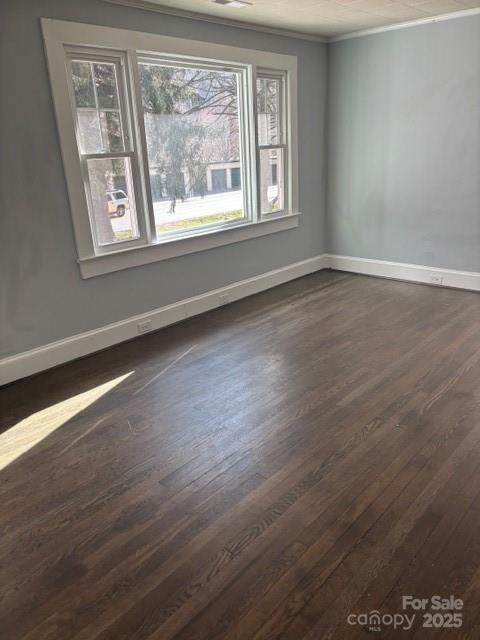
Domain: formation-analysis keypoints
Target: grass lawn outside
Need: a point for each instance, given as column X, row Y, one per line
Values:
column 188, row 223
column 123, row 235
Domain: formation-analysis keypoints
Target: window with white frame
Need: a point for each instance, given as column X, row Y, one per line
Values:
column 168, row 142
column 105, row 149
column 271, row 140
column 195, row 129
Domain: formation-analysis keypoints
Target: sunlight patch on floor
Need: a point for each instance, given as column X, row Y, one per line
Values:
column 27, row 433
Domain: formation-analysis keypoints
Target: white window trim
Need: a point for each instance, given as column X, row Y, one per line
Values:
column 283, row 142
column 60, row 34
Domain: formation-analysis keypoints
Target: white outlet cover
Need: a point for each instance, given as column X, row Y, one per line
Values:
column 144, row 327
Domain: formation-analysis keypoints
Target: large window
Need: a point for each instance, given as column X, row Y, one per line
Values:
column 193, row 122
column 168, row 142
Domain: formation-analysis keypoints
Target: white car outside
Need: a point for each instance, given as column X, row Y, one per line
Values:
column 117, row 203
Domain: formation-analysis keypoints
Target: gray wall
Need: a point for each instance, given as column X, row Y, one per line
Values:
column 403, row 168
column 42, row 297
column 404, row 145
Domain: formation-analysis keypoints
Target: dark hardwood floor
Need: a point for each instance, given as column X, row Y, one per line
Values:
column 260, row 472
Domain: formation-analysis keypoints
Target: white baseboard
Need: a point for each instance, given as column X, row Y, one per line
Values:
column 30, row 362
column 50, row 355
column 410, row 272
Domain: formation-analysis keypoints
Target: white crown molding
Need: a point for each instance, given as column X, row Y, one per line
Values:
column 405, row 25
column 228, row 22
column 145, row 5
column 51, row 355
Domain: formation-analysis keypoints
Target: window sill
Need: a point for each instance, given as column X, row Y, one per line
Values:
column 134, row 257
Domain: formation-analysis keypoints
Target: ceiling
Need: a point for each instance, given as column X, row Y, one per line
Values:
column 315, row 18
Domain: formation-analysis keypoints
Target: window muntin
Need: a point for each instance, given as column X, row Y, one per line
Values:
column 193, row 120
column 108, row 160
column 272, row 147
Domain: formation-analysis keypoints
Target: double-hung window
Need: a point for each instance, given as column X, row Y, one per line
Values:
column 272, row 148
column 170, row 146
column 104, row 141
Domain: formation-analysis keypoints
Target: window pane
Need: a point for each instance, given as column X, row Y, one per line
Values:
column 89, row 131
column 83, row 84
column 106, row 85
column 268, row 111
column 271, row 180
column 111, row 131
column 112, row 200
column 192, row 126
column 98, row 113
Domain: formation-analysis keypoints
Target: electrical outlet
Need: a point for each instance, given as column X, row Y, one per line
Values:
column 436, row 279
column 224, row 299
column 144, row 327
